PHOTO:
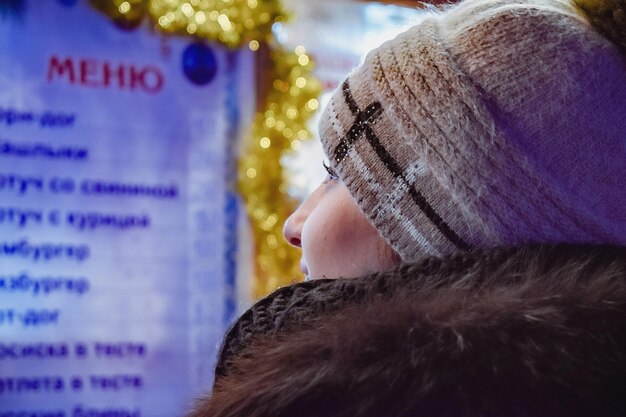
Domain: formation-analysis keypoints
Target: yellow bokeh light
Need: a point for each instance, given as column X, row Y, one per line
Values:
column 303, row 60
column 312, row 104
column 258, row 213
column 271, row 240
column 200, row 18
column 251, row 172
column 300, row 50
column 292, row 113
column 278, row 84
column 271, row 220
column 187, row 9
column 164, row 21
column 301, row 82
column 270, row 122
column 253, row 45
column 296, row 145
column 224, row 22
column 265, row 142
column 192, row 28
column 124, row 7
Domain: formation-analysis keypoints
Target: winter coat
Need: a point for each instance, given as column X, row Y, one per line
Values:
column 533, row 331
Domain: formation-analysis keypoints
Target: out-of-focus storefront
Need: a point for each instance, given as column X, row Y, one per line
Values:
column 144, row 179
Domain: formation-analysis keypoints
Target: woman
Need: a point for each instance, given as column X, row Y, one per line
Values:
column 490, row 123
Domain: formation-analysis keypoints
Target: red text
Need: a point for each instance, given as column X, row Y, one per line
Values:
column 103, row 74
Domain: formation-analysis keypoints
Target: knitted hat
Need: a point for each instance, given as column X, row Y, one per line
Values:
column 493, row 122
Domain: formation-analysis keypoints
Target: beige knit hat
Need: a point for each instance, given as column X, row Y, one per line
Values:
column 493, row 122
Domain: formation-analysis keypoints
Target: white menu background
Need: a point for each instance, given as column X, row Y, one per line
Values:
column 116, row 222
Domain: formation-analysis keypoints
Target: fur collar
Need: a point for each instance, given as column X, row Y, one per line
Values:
column 535, row 331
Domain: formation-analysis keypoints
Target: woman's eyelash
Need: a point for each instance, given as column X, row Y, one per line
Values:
column 331, row 172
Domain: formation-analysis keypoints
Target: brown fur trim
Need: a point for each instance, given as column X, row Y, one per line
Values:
column 540, row 333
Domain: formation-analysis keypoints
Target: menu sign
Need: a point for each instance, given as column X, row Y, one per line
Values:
column 115, row 284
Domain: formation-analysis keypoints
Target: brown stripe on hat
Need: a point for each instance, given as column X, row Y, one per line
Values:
column 360, row 127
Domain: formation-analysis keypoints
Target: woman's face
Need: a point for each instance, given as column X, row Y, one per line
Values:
column 336, row 238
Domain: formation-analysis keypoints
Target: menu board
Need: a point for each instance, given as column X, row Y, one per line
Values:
column 117, row 227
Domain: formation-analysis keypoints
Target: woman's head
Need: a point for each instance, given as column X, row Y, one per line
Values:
column 336, row 238
column 492, row 122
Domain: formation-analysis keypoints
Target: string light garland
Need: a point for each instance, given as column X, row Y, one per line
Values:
column 291, row 101
column 230, row 22
column 125, row 13
column 279, row 128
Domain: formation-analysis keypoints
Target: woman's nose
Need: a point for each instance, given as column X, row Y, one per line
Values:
column 292, row 229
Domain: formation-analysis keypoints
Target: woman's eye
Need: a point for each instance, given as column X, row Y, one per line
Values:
column 331, row 172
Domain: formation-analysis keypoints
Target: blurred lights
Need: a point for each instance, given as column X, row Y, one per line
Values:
column 231, row 22
column 200, row 18
column 224, row 22
column 282, row 126
column 187, row 9
column 272, row 241
column 124, row 7
column 292, row 112
column 303, row 60
column 265, row 142
column 300, row 82
column 272, row 220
